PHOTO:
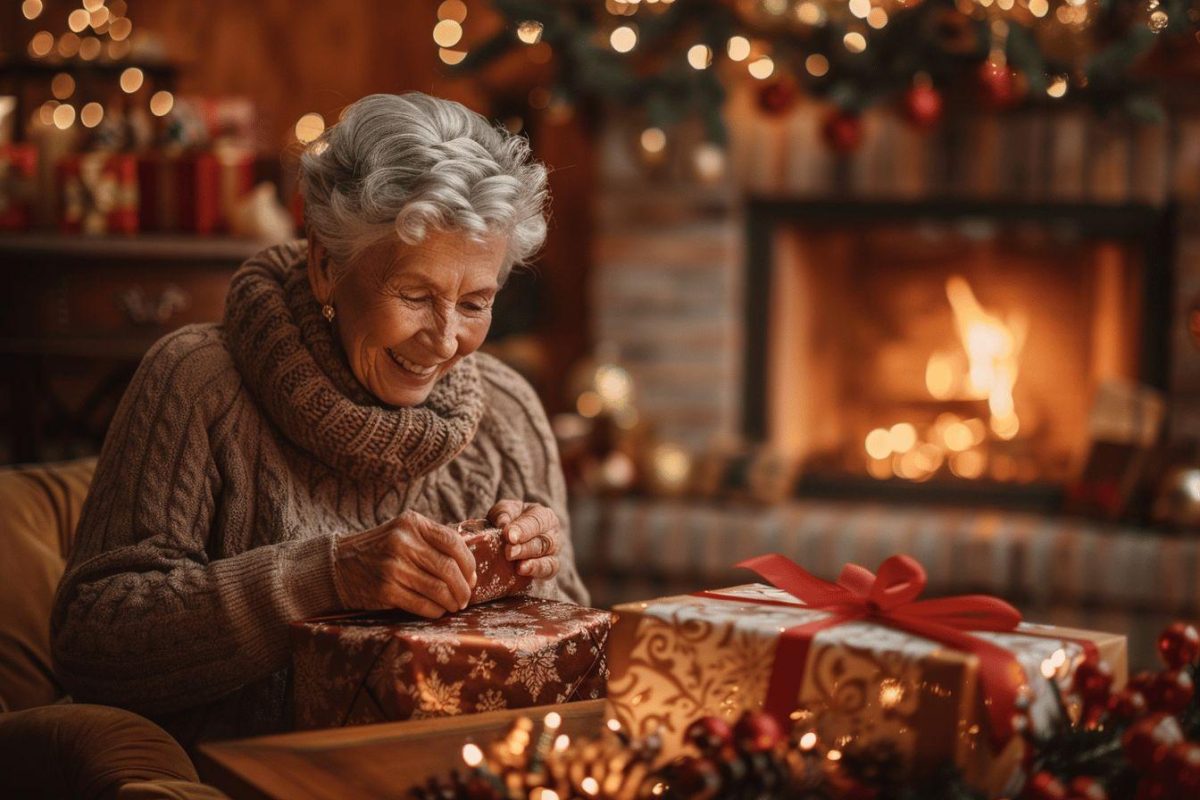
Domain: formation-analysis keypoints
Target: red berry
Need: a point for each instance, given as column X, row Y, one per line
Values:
column 1173, row 691
column 842, row 131
column 709, row 734
column 1147, row 739
column 1179, row 645
column 1180, row 769
column 1087, row 788
column 1128, row 704
column 1044, row 786
column 757, row 732
column 1093, row 681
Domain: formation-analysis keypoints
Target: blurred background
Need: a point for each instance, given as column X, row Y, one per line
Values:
column 838, row 278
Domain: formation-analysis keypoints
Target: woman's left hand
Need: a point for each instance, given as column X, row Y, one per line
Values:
column 534, row 536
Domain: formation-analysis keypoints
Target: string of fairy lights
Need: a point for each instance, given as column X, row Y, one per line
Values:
column 851, row 53
column 98, row 32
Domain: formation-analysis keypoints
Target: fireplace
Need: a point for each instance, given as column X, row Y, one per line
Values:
column 947, row 350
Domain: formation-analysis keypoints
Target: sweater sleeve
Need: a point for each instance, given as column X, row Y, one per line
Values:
column 149, row 615
column 532, row 469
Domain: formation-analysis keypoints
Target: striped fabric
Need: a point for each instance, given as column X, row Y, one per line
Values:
column 1056, row 569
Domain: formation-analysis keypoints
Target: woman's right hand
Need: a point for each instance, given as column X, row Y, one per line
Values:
column 411, row 563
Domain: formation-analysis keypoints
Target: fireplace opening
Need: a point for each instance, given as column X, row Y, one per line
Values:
column 947, row 350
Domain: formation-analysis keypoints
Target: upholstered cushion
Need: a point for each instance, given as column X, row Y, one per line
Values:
column 85, row 751
column 39, row 508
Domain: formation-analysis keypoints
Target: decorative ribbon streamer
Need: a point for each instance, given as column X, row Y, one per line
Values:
column 890, row 598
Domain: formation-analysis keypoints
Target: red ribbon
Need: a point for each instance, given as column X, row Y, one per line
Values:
column 890, row 598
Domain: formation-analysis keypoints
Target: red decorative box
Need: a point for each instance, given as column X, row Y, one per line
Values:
column 99, row 193
column 496, row 575
column 18, row 175
column 193, row 192
column 513, row 653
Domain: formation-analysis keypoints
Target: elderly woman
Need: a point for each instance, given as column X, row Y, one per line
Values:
column 312, row 453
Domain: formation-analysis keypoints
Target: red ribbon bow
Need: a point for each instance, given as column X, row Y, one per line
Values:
column 890, row 598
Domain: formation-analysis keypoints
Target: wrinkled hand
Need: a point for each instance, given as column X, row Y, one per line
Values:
column 411, row 563
column 534, row 535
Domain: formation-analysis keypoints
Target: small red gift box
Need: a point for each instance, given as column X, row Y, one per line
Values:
column 496, row 575
column 99, row 193
column 514, row 653
column 18, row 173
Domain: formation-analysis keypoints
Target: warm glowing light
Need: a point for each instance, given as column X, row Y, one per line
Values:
column 762, row 68
column 99, row 17
column 92, row 5
column 1048, row 669
column 472, row 755
column 68, row 44
column 613, row 725
column 41, row 44
column 64, row 116
column 589, row 404
column 860, row 8
column 902, row 437
column 451, row 57
column 1039, row 8
column 1057, row 87
column 709, row 160
column 810, row 13
column 699, row 56
column 941, row 375
column 817, row 65
column 654, row 140
column 672, row 465
column 968, row 465
column 131, row 80
column 879, row 444
column 447, row 33
column 590, row 786
column 120, row 28
column 161, row 103
column 309, row 127
column 623, row 39
column 992, row 346
column 891, row 693
column 31, row 8
column 91, row 115
column 855, row 42
column 62, row 86
column 808, row 741
column 877, row 19
column 738, row 48
column 78, row 19
column 46, row 112
column 561, row 742
column 530, row 31
column 453, row 9
column 958, row 437
column 880, row 469
column 612, row 382
column 546, row 794
column 834, row 755
column 89, row 48
column 978, row 430
column 553, row 720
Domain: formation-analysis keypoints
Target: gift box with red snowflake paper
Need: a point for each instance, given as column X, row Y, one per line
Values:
column 512, row 653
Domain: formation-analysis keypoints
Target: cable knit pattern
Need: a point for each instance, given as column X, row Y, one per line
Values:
column 237, row 453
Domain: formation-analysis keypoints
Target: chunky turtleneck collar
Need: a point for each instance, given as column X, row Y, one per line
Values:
column 294, row 366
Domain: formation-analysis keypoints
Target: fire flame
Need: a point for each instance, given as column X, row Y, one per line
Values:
column 985, row 367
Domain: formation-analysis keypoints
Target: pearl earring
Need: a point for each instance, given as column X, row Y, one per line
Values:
column 328, row 311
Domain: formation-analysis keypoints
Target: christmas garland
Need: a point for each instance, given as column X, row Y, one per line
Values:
column 674, row 60
column 1142, row 743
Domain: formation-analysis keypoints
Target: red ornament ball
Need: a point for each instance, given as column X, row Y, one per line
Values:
column 777, row 97
column 1172, row 691
column 1044, row 786
column 1179, row 645
column 709, row 734
column 1143, row 682
column 1087, row 788
column 1093, row 682
column 1179, row 770
column 1128, row 704
column 842, row 131
column 757, row 732
column 923, row 106
column 1147, row 740
column 998, row 84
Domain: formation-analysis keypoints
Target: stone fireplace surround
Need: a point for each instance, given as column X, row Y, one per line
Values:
column 667, row 291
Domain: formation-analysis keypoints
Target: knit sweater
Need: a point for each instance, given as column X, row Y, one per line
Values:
column 237, row 455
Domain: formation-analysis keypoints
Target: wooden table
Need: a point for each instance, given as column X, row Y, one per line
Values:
column 384, row 760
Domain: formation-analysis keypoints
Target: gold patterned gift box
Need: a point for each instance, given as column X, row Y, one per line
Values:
column 511, row 653
column 677, row 658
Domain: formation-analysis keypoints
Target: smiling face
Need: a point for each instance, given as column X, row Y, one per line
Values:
column 406, row 314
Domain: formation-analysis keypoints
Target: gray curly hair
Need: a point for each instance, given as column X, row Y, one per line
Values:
column 405, row 164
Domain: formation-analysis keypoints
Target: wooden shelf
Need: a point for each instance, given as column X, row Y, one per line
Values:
column 173, row 248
